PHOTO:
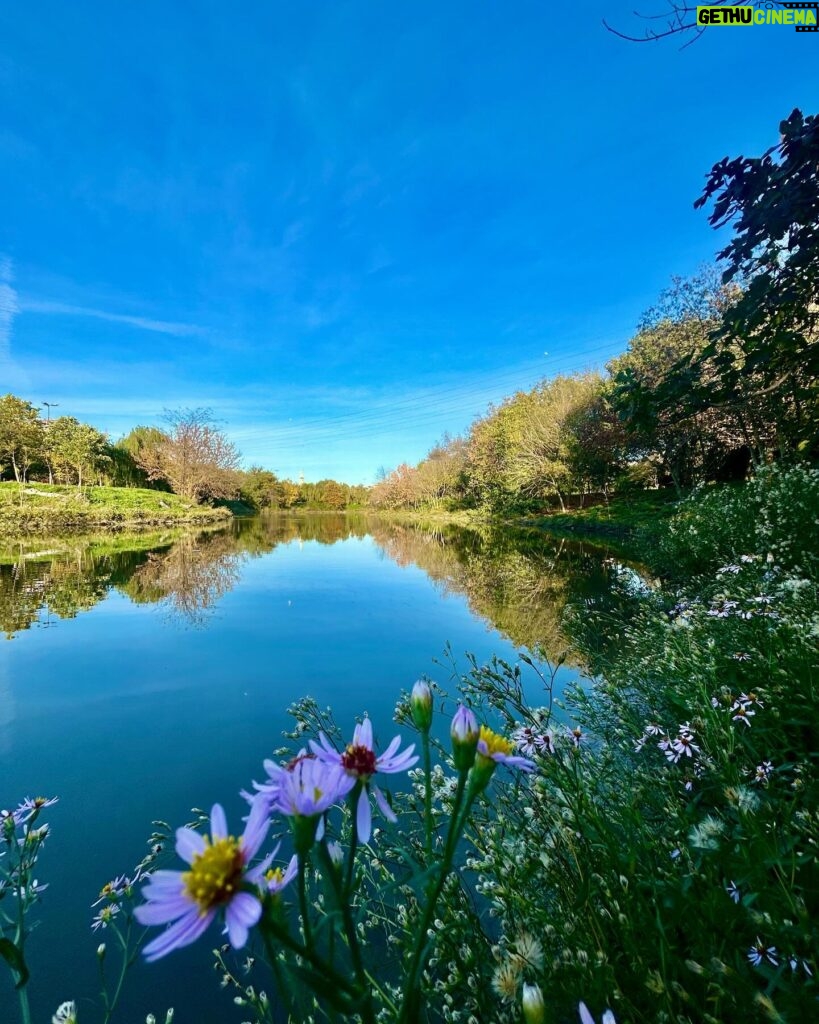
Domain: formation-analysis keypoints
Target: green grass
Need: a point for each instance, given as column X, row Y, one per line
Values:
column 47, row 508
column 624, row 516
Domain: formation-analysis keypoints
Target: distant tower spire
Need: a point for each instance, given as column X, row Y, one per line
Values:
column 301, row 477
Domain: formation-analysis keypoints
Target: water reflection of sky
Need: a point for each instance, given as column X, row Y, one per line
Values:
column 130, row 712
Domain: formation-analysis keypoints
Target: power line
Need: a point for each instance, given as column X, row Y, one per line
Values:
column 400, row 411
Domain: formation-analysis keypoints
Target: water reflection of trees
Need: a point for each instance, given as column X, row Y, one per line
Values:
column 59, row 585
column 190, row 577
column 520, row 581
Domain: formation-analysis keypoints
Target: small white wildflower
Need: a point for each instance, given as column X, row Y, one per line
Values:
column 743, row 714
column 66, row 1013
column 796, row 962
column 733, row 891
column 750, row 698
column 528, row 949
column 505, row 980
column 105, row 916
column 586, row 1017
column 759, row 953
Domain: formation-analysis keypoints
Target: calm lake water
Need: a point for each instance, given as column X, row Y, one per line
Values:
column 138, row 683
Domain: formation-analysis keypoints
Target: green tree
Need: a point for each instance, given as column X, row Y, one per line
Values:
column 259, row 488
column 770, row 335
column 21, row 435
column 75, row 449
column 652, row 386
column 130, row 451
column 542, row 461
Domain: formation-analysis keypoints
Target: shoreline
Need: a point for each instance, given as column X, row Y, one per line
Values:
column 34, row 509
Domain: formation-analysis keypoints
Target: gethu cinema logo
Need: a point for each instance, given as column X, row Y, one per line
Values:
column 803, row 16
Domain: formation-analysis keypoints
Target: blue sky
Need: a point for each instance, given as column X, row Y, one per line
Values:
column 346, row 227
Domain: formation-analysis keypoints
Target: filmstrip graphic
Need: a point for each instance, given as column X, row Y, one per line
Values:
column 804, row 7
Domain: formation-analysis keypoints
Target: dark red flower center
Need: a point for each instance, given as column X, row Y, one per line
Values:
column 293, row 764
column 358, row 760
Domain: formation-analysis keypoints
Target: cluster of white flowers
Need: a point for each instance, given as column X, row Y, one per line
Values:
column 530, row 741
column 743, row 708
column 675, row 748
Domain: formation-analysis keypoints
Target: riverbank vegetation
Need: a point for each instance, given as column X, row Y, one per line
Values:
column 666, row 816
column 52, row 508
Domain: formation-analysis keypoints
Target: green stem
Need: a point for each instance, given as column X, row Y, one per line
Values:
column 410, row 1003
column 350, row 931
column 20, row 937
column 303, row 905
column 126, row 963
column 25, row 1010
column 275, row 967
column 348, row 877
column 269, row 927
column 427, row 792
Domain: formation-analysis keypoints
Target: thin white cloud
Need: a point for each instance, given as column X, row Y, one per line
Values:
column 178, row 330
column 9, row 308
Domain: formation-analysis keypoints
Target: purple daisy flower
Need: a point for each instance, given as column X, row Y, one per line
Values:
column 218, row 879
column 359, row 763
column 275, row 879
column 306, row 787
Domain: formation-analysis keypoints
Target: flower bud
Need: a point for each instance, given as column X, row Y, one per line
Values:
column 421, row 705
column 464, row 732
column 533, row 1008
column 101, row 950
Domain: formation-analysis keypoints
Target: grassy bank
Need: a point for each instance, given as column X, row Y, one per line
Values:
column 628, row 523
column 45, row 508
column 625, row 516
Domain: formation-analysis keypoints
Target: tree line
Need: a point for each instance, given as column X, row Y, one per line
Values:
column 191, row 457
column 721, row 375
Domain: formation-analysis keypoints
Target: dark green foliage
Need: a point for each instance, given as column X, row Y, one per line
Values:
column 764, row 355
column 657, row 879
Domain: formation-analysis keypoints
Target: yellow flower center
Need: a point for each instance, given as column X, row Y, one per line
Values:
column 495, row 743
column 215, row 874
column 274, row 875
